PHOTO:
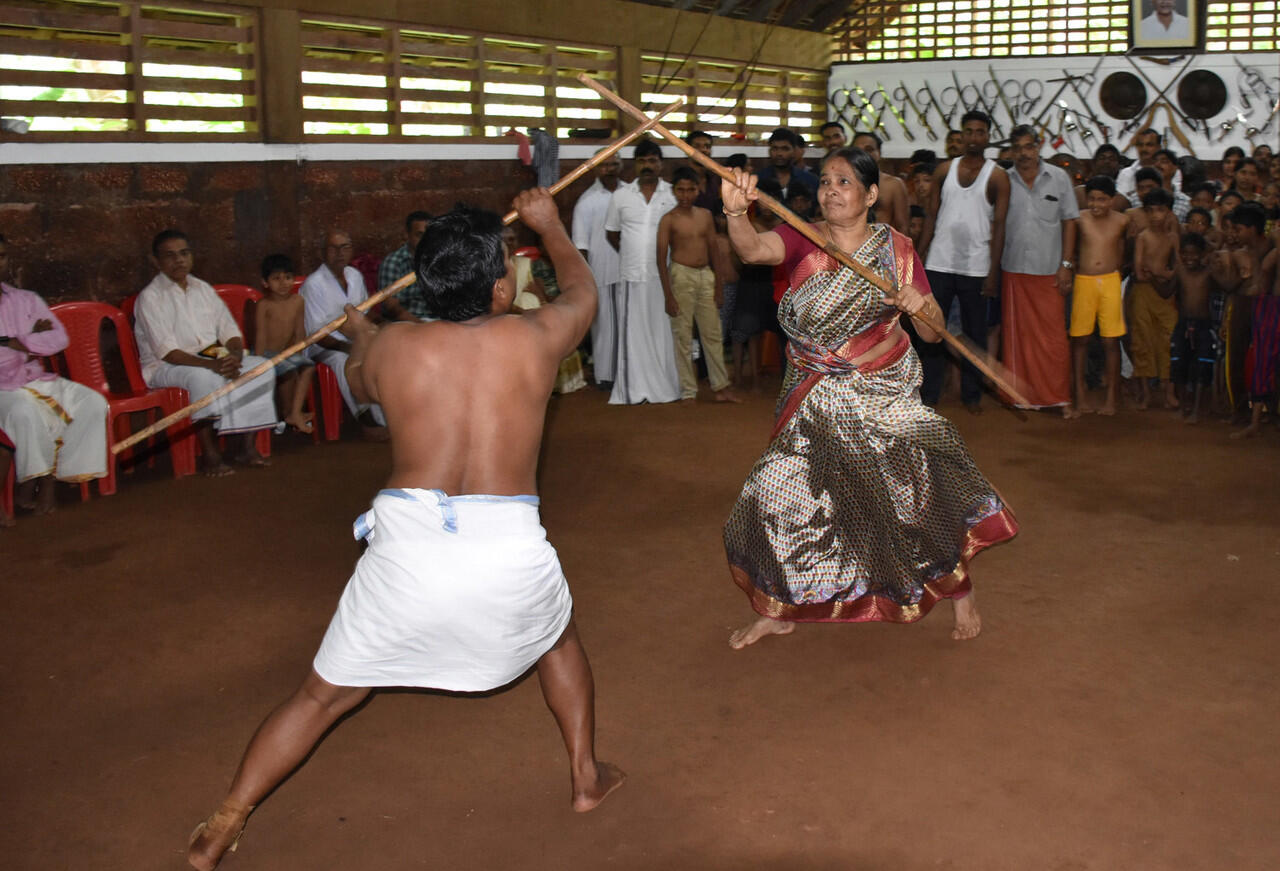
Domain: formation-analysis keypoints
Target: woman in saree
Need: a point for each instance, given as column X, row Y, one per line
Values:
column 866, row 504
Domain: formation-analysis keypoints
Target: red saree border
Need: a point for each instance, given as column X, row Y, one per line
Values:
column 990, row 531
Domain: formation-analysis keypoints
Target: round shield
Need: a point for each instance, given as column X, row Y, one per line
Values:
column 1123, row 95
column 1201, row 94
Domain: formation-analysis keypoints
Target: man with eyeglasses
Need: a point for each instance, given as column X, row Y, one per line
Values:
column 325, row 292
column 187, row 338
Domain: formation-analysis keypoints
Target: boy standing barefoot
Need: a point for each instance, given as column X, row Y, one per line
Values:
column 1191, row 352
column 692, row 287
column 1097, row 300
column 1153, row 312
column 459, row 589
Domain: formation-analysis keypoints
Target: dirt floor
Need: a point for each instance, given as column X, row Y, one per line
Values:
column 1118, row 712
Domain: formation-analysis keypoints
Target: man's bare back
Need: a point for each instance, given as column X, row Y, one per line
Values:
column 1101, row 245
column 466, row 401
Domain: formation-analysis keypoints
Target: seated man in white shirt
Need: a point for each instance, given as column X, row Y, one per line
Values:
column 325, row 292
column 188, row 339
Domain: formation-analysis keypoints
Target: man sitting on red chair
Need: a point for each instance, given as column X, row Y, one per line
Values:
column 58, row 427
column 187, row 338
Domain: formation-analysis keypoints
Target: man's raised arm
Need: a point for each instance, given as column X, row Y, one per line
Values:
column 570, row 315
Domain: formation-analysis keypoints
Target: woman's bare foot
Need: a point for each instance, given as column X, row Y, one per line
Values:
column 968, row 621
column 726, row 395
column 757, row 629
column 301, row 422
column 217, row 835
column 587, row 796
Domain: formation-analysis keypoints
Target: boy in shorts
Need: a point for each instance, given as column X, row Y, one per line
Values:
column 1153, row 313
column 1097, row 299
column 1192, row 354
column 277, row 325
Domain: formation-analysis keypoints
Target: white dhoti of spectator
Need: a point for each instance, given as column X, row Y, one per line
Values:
column 168, row 318
column 324, row 300
column 589, row 237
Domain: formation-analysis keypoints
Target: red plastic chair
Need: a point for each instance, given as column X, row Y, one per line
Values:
column 6, row 495
column 83, row 321
column 127, row 304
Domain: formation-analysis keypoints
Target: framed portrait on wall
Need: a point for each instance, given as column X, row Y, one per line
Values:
column 1165, row 25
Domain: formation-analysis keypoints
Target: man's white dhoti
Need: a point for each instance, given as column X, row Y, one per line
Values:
column 337, row 361
column 58, row 427
column 244, row 409
column 459, row 593
column 646, row 367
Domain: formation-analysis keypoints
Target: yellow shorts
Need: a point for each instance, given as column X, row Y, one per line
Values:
column 1097, row 299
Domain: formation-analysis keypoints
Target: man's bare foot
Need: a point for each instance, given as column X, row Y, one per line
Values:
column 46, row 497
column 215, row 467
column 24, row 495
column 1171, row 398
column 301, row 422
column 217, row 835
column 1247, row 433
column 968, row 621
column 608, row 777
column 1108, row 408
column 1070, row 412
column 726, row 395
column 253, row 459
column 757, row 629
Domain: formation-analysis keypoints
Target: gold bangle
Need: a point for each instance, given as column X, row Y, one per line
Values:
column 729, row 214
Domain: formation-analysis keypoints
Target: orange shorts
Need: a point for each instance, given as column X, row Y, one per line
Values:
column 1097, row 299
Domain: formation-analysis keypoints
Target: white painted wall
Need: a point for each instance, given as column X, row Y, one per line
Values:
column 941, row 75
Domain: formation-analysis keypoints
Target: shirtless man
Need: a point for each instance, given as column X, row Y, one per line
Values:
column 1153, row 317
column 1191, row 353
column 1097, row 297
column 892, row 207
column 692, row 287
column 455, row 591
column 1251, row 272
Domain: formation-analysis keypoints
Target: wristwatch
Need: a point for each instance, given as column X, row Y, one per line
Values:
column 1067, row 264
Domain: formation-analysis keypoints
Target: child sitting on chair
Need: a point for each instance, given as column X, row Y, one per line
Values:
column 278, row 324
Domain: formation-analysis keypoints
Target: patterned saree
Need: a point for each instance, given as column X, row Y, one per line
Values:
column 866, row 505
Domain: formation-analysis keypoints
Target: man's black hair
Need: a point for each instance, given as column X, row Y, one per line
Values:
column 166, row 236
column 771, row 187
column 923, row 169
column 1148, row 173
column 1250, row 215
column 1145, row 130
column 799, row 189
column 1194, row 240
column 915, row 211
column 976, row 115
column 825, row 127
column 1201, row 188
column 697, row 134
column 683, row 173
column 415, row 217
column 874, row 138
column 1106, row 148
column 1173, row 157
column 1104, row 183
column 645, row 148
column 1231, row 192
column 923, row 155
column 1248, row 161
column 273, row 263
column 785, row 134
column 1157, row 197
column 1200, row 210
column 737, row 160
column 458, row 260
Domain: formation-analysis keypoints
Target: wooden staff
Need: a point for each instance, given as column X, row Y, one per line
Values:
column 809, row 233
column 401, row 283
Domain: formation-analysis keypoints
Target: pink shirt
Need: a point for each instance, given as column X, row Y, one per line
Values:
column 19, row 311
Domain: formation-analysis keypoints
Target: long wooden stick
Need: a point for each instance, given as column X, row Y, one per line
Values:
column 401, row 283
column 809, row 233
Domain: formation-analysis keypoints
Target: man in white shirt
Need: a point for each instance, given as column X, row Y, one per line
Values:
column 1164, row 24
column 187, row 338
column 589, row 238
column 646, row 367
column 324, row 294
column 1148, row 143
